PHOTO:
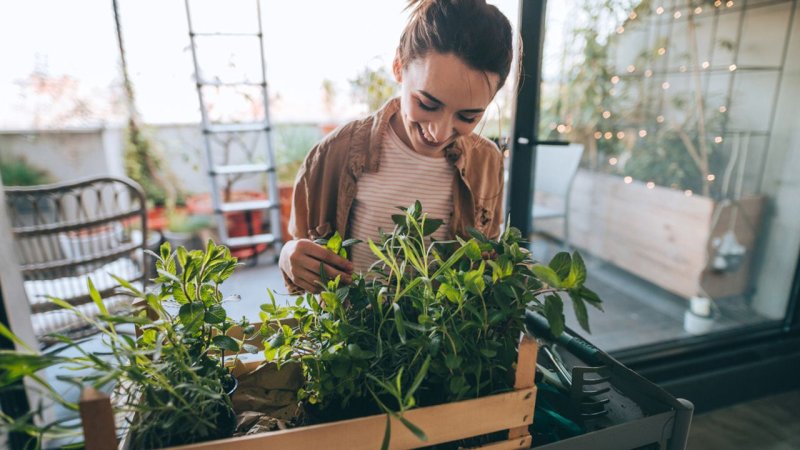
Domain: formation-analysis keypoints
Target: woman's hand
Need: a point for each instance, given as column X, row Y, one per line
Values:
column 301, row 258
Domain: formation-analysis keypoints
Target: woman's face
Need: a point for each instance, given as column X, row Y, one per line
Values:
column 441, row 98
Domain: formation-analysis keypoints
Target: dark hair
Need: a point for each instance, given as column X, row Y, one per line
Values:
column 476, row 32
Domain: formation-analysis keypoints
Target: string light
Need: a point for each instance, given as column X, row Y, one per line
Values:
column 620, row 30
column 698, row 10
column 642, row 133
column 650, row 185
column 660, row 119
column 648, row 73
column 729, row 4
column 598, row 135
column 705, row 64
column 631, row 68
column 606, row 114
column 718, row 139
column 612, row 92
column 615, row 79
column 612, row 161
column 608, row 135
column 661, row 51
column 732, row 67
column 628, row 180
column 711, row 177
column 687, row 192
column 632, row 15
column 677, row 15
column 506, row 153
column 568, row 128
column 722, row 109
column 620, row 134
column 561, row 128
column 660, row 10
column 718, row 3
column 665, row 85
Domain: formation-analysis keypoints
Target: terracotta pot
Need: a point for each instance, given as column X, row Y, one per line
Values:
column 157, row 218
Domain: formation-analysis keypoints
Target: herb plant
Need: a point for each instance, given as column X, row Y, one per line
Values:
column 431, row 322
column 172, row 381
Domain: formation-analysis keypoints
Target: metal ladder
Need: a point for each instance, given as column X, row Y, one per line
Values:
column 210, row 129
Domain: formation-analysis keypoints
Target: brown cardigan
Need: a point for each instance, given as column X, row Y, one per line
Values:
column 327, row 181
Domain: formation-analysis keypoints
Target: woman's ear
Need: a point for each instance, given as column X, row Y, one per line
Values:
column 397, row 68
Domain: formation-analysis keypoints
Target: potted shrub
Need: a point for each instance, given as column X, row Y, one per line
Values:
column 173, row 381
column 17, row 171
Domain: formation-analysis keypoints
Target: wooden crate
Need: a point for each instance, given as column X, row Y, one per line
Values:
column 512, row 411
column 658, row 234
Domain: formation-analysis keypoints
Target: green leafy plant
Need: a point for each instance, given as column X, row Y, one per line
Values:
column 172, row 382
column 17, row 171
column 373, row 87
column 431, row 322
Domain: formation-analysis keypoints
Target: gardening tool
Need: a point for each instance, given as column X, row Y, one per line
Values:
column 586, row 386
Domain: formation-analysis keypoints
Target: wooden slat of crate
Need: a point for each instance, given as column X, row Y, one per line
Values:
column 441, row 423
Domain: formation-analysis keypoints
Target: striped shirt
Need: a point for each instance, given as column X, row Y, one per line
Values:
column 404, row 176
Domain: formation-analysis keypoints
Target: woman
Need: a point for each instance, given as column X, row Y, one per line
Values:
column 453, row 57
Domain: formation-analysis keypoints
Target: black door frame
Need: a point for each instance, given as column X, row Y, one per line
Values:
column 711, row 371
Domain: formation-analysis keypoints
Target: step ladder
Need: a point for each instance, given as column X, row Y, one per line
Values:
column 254, row 238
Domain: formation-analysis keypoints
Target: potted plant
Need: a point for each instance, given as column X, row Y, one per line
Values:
column 172, row 382
column 17, row 171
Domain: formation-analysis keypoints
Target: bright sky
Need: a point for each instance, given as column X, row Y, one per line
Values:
column 306, row 41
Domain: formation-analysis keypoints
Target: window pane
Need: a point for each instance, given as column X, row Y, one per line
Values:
column 683, row 199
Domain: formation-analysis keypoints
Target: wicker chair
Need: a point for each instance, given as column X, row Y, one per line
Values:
column 66, row 234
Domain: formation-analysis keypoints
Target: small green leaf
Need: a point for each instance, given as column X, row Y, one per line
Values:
column 191, row 314
column 250, row 348
column 215, row 314
column 276, row 340
column 399, row 322
column 452, row 361
column 98, row 301
column 561, row 264
column 577, row 272
column 350, row 242
column 473, row 250
column 387, row 434
column 431, row 225
column 413, row 428
column 554, row 312
column 547, row 275
column 399, row 220
column 165, row 250
column 449, row 292
column 580, row 312
column 343, row 253
column 423, row 372
column 334, row 243
column 226, row 343
column 590, row 297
